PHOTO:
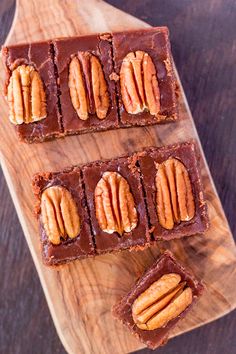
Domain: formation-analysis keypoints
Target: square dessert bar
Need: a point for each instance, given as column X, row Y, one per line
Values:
column 87, row 95
column 31, row 89
column 64, row 220
column 147, row 84
column 159, row 299
column 173, row 191
column 116, row 205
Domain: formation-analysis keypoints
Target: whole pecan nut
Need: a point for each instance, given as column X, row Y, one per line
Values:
column 88, row 86
column 114, row 204
column 59, row 213
column 139, row 84
column 174, row 196
column 162, row 302
column 26, row 96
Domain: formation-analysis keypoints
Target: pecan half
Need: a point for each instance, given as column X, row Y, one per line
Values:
column 162, row 302
column 114, row 204
column 88, row 87
column 59, row 212
column 26, row 96
column 175, row 201
column 139, row 84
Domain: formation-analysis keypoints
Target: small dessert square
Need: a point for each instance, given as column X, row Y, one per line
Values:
column 64, row 221
column 87, row 95
column 116, row 205
column 159, row 299
column 173, row 191
column 31, row 91
column 146, row 85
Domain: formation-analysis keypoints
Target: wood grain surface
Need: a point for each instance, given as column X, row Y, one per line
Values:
column 202, row 246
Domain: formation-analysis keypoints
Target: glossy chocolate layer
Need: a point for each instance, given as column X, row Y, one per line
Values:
column 155, row 42
column 65, row 49
column 52, row 58
column 40, row 56
column 139, row 171
column 123, row 310
column 186, row 153
column 139, row 236
column 70, row 249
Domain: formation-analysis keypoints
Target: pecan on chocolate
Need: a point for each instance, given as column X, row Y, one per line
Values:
column 59, row 213
column 174, row 195
column 162, row 302
column 26, row 96
column 114, row 204
column 88, row 87
column 139, row 84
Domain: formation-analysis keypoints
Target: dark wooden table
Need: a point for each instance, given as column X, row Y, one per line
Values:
column 204, row 48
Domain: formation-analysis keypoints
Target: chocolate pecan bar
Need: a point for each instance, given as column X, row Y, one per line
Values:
column 87, row 95
column 116, row 205
column 173, row 189
column 63, row 216
column 32, row 91
column 159, row 299
column 146, row 85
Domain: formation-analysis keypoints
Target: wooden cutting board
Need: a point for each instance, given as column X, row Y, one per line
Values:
column 80, row 295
